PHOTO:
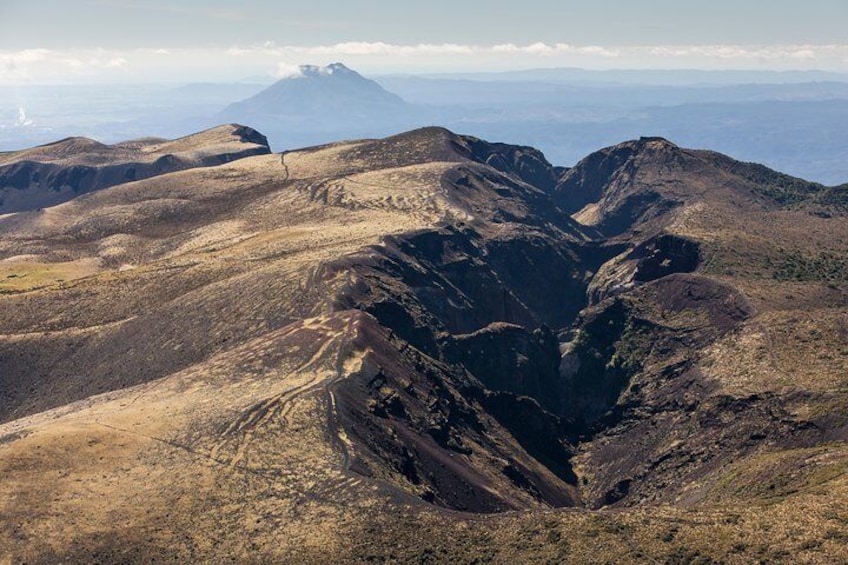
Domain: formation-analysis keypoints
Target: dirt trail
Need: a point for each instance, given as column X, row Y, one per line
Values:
column 324, row 367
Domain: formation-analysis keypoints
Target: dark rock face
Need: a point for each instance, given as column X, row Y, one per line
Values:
column 434, row 287
column 464, row 390
column 427, row 420
column 585, row 182
column 247, row 134
column 525, row 163
column 511, row 359
column 665, row 255
column 618, row 337
column 630, row 376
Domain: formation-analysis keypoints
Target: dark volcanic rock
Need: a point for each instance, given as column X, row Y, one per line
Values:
column 665, row 255
column 509, row 358
column 429, row 423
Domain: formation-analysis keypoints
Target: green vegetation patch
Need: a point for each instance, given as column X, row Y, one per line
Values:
column 825, row 266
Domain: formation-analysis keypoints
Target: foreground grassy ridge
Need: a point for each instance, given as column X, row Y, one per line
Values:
column 187, row 404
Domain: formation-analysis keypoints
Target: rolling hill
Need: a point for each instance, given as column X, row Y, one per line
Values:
column 429, row 348
column 54, row 173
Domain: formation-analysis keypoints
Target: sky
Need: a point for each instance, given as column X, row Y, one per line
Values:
column 49, row 41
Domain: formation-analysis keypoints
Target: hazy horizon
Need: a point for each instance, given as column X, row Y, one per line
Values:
column 118, row 41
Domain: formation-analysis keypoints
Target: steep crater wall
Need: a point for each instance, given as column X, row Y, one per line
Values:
column 485, row 381
column 470, row 315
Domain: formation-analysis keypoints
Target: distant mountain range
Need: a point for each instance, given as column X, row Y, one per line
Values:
column 566, row 112
column 793, row 122
column 656, row 77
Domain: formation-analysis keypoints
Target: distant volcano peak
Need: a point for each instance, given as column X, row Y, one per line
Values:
column 331, row 69
column 323, row 97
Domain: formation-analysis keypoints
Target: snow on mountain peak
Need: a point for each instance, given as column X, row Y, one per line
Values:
column 286, row 70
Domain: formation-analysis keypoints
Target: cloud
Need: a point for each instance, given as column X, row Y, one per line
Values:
column 270, row 58
column 739, row 52
column 600, row 51
column 115, row 63
column 354, row 48
column 533, row 49
column 94, row 63
column 287, row 70
column 538, row 49
column 15, row 65
column 24, row 56
column 154, row 51
column 46, row 64
column 556, row 49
